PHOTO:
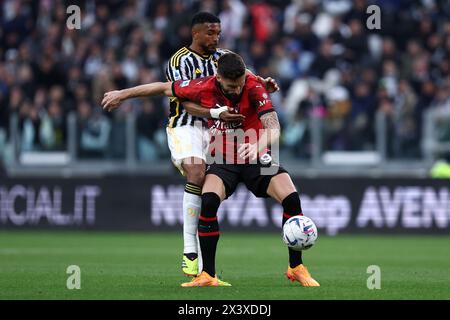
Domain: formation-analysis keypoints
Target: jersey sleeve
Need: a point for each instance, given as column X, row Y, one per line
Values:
column 187, row 90
column 178, row 69
column 260, row 99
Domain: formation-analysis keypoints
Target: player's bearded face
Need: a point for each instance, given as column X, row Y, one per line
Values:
column 232, row 89
column 209, row 37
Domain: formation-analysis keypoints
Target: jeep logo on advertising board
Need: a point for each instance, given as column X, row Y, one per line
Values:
column 155, row 203
column 380, row 207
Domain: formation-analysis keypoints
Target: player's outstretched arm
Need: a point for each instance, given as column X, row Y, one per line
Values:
column 113, row 99
column 221, row 113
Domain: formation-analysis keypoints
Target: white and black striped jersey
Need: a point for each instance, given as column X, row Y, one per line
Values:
column 187, row 64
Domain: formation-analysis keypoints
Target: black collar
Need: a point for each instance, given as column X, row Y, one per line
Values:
column 199, row 54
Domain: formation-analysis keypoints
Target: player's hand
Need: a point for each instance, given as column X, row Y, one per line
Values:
column 112, row 100
column 248, row 151
column 227, row 116
column 269, row 83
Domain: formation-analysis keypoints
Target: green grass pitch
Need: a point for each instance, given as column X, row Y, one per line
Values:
column 147, row 266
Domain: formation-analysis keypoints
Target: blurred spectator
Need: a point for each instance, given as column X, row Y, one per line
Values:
column 94, row 130
column 262, row 15
column 232, row 19
column 147, row 124
column 356, row 47
column 53, row 128
column 30, row 123
column 338, row 109
column 361, row 118
column 325, row 60
column 441, row 105
column 407, row 131
column 296, row 135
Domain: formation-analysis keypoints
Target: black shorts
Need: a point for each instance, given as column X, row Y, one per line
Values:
column 250, row 174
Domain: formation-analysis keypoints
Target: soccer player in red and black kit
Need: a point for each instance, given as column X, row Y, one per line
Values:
column 243, row 94
column 188, row 142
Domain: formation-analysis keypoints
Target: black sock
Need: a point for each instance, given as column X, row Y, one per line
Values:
column 208, row 231
column 292, row 207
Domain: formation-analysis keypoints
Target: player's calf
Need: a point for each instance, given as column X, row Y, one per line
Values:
column 292, row 207
column 208, row 231
column 194, row 170
column 296, row 270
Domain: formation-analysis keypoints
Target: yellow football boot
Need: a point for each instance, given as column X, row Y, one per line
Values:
column 189, row 267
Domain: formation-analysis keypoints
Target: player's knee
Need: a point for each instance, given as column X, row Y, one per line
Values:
column 195, row 174
column 210, row 204
column 291, row 204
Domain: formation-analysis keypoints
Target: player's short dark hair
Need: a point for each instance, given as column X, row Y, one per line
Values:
column 202, row 17
column 231, row 66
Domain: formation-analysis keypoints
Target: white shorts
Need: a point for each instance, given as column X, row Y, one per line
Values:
column 186, row 142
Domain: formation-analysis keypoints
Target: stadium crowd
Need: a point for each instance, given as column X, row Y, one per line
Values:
column 328, row 64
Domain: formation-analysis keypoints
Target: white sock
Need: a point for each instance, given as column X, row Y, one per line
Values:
column 192, row 202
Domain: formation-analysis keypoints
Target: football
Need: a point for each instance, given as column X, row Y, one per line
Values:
column 299, row 233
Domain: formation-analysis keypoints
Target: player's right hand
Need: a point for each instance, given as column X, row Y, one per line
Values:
column 111, row 100
column 227, row 116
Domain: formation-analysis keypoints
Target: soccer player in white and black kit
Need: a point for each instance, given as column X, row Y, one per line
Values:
column 188, row 143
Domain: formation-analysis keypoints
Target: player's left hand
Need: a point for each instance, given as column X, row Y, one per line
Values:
column 228, row 116
column 248, row 151
column 111, row 100
column 269, row 83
